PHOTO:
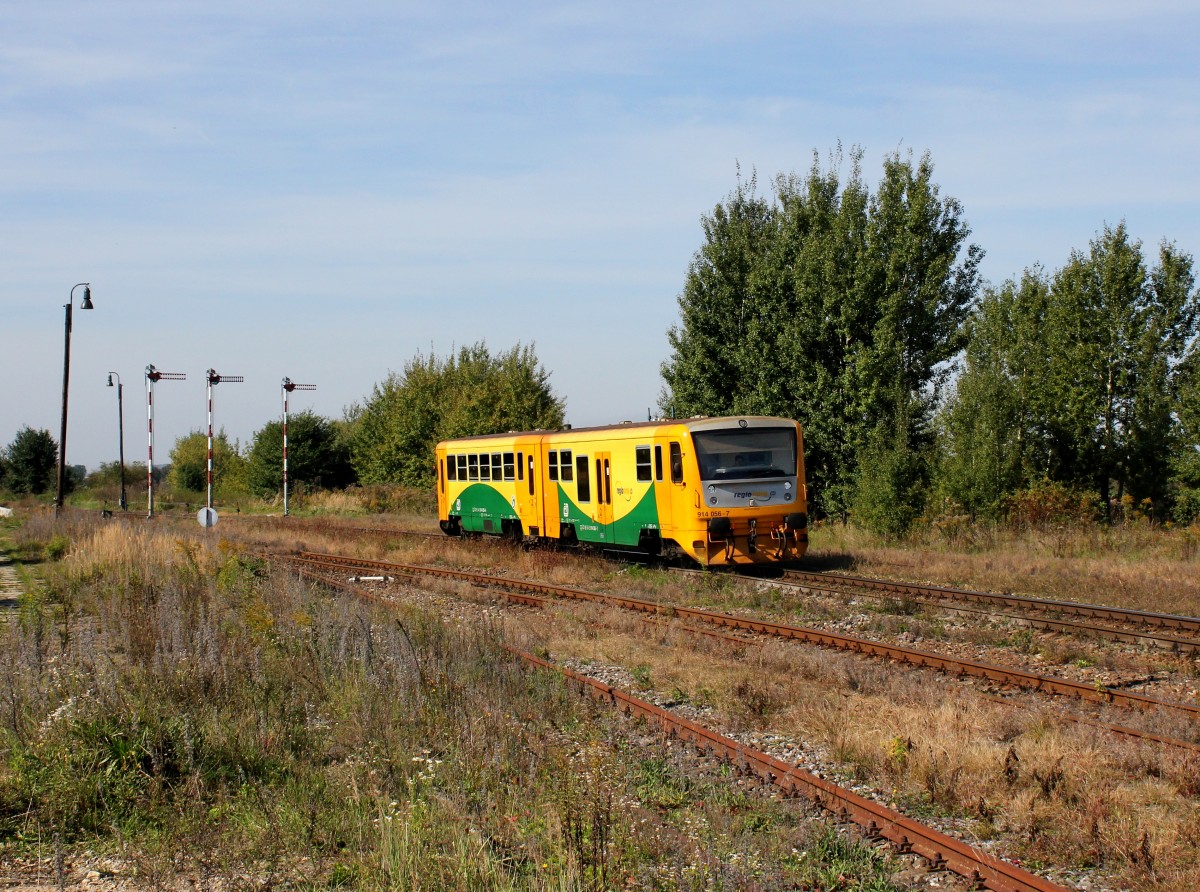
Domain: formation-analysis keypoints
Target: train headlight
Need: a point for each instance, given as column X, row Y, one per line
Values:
column 713, row 500
column 787, row 496
column 711, row 488
column 787, row 484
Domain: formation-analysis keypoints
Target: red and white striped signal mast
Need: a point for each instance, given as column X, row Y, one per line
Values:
column 152, row 375
column 287, row 387
column 214, row 378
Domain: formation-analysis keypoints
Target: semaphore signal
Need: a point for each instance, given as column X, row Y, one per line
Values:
column 214, row 378
column 153, row 375
column 287, row 387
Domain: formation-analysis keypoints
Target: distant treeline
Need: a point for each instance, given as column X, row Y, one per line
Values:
column 924, row 391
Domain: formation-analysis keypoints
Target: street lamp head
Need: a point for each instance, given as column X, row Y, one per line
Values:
column 87, row 298
column 110, row 384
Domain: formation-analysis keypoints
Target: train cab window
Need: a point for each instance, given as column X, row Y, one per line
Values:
column 472, row 467
column 462, row 467
column 520, row 465
column 552, row 464
column 658, row 463
column 676, row 464
column 451, row 468
column 485, row 467
column 583, row 485
column 498, row 466
column 509, row 470
column 643, row 462
column 564, row 462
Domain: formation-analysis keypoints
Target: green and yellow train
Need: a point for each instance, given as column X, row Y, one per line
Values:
column 720, row 491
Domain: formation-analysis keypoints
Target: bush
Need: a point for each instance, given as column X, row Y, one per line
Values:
column 1050, row 504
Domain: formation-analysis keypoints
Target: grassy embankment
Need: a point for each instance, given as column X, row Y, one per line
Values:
column 180, row 710
column 1045, row 790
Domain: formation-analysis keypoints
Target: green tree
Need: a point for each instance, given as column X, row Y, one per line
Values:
column 837, row 307
column 1118, row 333
column 1185, row 463
column 1075, row 379
column 992, row 438
column 720, row 308
column 470, row 392
column 32, row 459
column 189, row 465
column 317, row 455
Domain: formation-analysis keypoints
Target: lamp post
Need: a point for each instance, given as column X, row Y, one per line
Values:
column 152, row 375
column 85, row 304
column 120, row 432
column 213, row 379
column 288, row 387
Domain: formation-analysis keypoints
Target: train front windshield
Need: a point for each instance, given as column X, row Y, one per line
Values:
column 746, row 453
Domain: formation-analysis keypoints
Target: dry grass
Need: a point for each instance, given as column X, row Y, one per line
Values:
column 1049, row 791
column 174, row 703
column 1147, row 569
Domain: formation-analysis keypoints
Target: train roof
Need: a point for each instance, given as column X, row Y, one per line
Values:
column 694, row 423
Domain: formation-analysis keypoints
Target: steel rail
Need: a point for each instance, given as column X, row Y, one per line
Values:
column 1108, row 633
column 919, row 658
column 878, row 822
column 1122, row 730
column 1071, row 608
column 939, row 595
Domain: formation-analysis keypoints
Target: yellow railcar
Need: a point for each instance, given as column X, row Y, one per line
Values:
column 717, row 490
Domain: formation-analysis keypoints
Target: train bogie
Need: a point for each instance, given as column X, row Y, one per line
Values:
column 715, row 490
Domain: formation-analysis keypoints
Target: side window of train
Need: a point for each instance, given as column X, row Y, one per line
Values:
column 451, row 468
column 441, row 472
column 462, row 467
column 676, row 464
column 485, row 467
column 552, row 464
column 509, row 470
column 583, row 485
column 472, row 467
column 531, row 475
column 658, row 463
column 520, row 465
column 498, row 466
column 564, row 462
column 643, row 462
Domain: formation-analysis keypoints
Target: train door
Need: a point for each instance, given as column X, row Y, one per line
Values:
column 529, row 492
column 670, row 483
column 604, row 509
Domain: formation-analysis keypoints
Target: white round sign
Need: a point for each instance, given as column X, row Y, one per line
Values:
column 207, row 517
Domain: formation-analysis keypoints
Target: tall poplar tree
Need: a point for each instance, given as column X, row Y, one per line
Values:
column 1118, row 332
column 836, row 307
column 1076, row 379
column 993, row 440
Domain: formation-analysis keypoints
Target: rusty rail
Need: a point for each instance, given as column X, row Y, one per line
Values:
column 1021, row 602
column 877, row 821
column 910, row 656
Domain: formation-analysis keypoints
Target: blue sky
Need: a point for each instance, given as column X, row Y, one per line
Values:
column 323, row 190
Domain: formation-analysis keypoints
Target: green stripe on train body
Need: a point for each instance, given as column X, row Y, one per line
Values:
column 480, row 505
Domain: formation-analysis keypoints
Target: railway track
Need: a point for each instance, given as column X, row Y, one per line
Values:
column 918, row 658
column 1142, row 618
column 878, row 822
column 738, row 641
column 1043, row 614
